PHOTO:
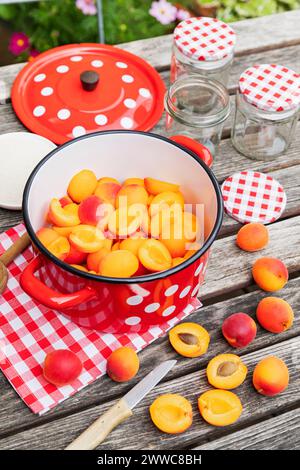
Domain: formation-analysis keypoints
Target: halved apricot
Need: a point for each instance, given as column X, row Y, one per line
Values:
column 87, row 238
column 116, row 246
column 46, row 235
column 189, row 339
column 66, row 216
column 171, row 413
column 191, row 226
column 165, row 199
column 154, row 186
column 154, row 255
column 64, row 231
column 119, row 263
column 220, row 407
column 59, row 247
column 226, row 371
column 82, row 185
column 124, row 222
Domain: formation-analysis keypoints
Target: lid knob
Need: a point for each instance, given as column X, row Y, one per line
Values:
column 89, row 80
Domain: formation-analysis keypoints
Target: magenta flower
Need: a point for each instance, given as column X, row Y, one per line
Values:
column 18, row 43
column 32, row 54
column 163, row 11
column 88, row 7
column 182, row 14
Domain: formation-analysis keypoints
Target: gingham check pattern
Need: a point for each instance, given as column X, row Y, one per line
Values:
column 28, row 331
column 204, row 38
column 250, row 196
column 271, row 87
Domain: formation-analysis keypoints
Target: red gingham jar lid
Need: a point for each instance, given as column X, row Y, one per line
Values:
column 250, row 196
column 271, row 87
column 204, row 38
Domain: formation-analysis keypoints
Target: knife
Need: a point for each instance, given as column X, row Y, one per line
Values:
column 97, row 432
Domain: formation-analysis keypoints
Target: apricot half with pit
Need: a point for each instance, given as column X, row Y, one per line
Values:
column 220, row 407
column 171, row 413
column 189, row 339
column 226, row 371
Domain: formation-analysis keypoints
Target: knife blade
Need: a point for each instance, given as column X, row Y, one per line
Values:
column 139, row 391
column 97, row 432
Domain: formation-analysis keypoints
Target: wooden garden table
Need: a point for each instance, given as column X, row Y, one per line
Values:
column 266, row 423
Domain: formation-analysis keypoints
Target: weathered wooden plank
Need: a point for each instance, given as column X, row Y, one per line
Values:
column 139, row 433
column 279, row 433
column 210, row 317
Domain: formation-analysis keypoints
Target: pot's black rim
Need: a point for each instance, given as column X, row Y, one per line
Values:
column 118, row 280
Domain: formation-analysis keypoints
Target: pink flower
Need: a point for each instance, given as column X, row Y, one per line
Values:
column 18, row 43
column 87, row 7
column 32, row 54
column 182, row 15
column 163, row 11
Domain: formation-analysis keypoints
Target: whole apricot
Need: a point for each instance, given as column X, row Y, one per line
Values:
column 270, row 376
column 119, row 263
column 171, row 413
column 220, row 407
column 274, row 314
column 226, row 371
column 123, row 364
column 270, row 274
column 189, row 339
column 61, row 367
column 239, row 329
column 82, row 185
column 252, row 237
column 132, row 194
column 75, row 256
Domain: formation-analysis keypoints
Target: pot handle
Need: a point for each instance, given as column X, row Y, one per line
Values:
column 47, row 296
column 199, row 149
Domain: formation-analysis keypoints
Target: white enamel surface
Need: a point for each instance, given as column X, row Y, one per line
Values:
column 20, row 152
column 122, row 156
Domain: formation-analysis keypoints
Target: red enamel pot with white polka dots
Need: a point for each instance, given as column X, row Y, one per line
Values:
column 120, row 304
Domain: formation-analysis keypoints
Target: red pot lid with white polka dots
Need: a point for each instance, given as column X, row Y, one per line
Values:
column 250, row 196
column 49, row 98
column 271, row 87
column 202, row 38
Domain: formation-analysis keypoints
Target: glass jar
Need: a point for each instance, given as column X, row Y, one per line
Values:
column 267, row 111
column 203, row 46
column 197, row 108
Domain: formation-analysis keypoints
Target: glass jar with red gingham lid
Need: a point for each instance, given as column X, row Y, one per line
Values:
column 203, row 46
column 267, row 111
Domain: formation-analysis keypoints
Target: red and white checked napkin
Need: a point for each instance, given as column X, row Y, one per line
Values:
column 28, row 331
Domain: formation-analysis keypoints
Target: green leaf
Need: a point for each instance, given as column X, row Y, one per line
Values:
column 7, row 12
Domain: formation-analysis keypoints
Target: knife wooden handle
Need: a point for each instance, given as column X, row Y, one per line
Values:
column 19, row 245
column 97, row 432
